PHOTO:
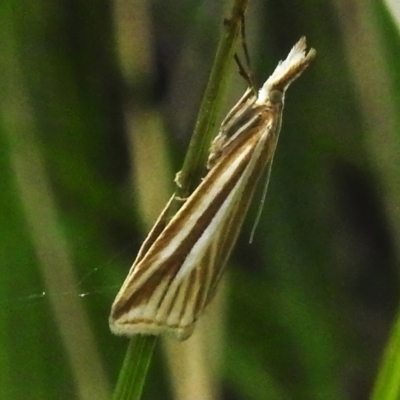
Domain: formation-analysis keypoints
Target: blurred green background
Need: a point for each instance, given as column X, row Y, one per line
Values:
column 97, row 105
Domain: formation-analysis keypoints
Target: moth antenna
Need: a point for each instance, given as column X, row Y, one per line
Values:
column 244, row 44
column 246, row 73
column 263, row 196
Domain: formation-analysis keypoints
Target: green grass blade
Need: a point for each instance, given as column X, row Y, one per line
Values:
column 387, row 385
column 134, row 369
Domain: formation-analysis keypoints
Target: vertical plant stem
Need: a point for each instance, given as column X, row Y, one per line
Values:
column 134, row 369
column 137, row 360
column 196, row 157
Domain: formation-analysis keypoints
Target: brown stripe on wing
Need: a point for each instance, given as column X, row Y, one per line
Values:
column 183, row 323
column 196, row 292
column 135, row 297
column 156, row 230
column 206, row 272
column 174, row 304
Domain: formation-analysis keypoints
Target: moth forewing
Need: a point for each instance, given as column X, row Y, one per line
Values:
column 180, row 264
column 151, row 294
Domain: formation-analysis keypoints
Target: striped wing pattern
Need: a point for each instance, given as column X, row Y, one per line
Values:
column 170, row 285
column 180, row 263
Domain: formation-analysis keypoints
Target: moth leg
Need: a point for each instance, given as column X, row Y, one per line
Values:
column 177, row 179
column 180, row 199
column 246, row 73
column 216, row 148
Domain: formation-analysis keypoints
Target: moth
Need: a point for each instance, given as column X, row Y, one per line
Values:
column 177, row 269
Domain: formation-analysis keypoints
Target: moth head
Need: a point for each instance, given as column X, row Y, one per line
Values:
column 270, row 97
column 285, row 73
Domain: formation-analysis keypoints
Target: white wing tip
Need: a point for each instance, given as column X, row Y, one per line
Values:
column 150, row 328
